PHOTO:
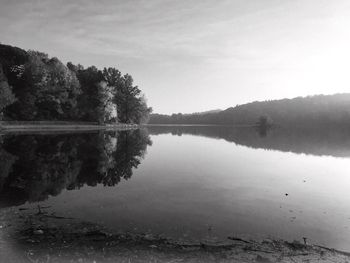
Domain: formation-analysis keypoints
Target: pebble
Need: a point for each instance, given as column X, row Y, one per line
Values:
column 38, row 232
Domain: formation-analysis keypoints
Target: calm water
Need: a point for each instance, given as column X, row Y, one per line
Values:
column 188, row 183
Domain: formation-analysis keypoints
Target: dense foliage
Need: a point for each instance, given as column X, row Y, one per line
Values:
column 320, row 110
column 36, row 87
column 6, row 95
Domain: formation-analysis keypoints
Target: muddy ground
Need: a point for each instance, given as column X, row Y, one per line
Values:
column 39, row 236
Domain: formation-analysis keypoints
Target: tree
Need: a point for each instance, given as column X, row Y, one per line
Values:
column 264, row 121
column 106, row 107
column 57, row 87
column 46, row 89
column 6, row 95
column 127, row 99
column 96, row 101
column 74, row 68
column 263, row 124
column 142, row 110
column 131, row 103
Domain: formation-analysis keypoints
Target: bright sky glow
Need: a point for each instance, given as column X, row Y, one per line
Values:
column 195, row 55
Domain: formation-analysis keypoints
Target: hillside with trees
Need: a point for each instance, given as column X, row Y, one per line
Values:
column 320, row 110
column 35, row 87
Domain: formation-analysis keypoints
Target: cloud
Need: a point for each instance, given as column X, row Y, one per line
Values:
column 246, row 49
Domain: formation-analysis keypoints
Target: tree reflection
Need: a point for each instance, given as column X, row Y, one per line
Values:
column 33, row 167
column 6, row 162
column 333, row 141
column 107, row 158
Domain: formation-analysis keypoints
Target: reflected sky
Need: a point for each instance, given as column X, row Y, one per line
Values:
column 191, row 187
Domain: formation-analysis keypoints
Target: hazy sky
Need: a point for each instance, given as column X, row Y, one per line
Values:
column 195, row 55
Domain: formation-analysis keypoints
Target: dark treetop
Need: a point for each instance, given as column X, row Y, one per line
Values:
column 34, row 86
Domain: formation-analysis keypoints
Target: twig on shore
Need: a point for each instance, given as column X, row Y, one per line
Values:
column 57, row 217
column 239, row 239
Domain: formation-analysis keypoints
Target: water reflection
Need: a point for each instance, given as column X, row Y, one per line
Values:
column 188, row 187
column 34, row 167
column 311, row 140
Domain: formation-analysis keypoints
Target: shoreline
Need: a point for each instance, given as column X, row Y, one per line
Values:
column 205, row 125
column 54, row 126
column 41, row 236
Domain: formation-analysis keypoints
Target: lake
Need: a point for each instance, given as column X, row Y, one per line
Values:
column 188, row 182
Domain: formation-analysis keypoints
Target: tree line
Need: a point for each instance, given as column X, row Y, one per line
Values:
column 319, row 110
column 34, row 86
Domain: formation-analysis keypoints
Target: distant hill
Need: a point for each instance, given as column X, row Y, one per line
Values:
column 301, row 111
column 204, row 112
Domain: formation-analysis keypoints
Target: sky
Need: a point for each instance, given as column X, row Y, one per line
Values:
column 195, row 55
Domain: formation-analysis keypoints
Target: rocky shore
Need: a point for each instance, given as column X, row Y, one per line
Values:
column 39, row 236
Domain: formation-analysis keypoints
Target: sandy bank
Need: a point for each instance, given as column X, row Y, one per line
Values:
column 38, row 236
